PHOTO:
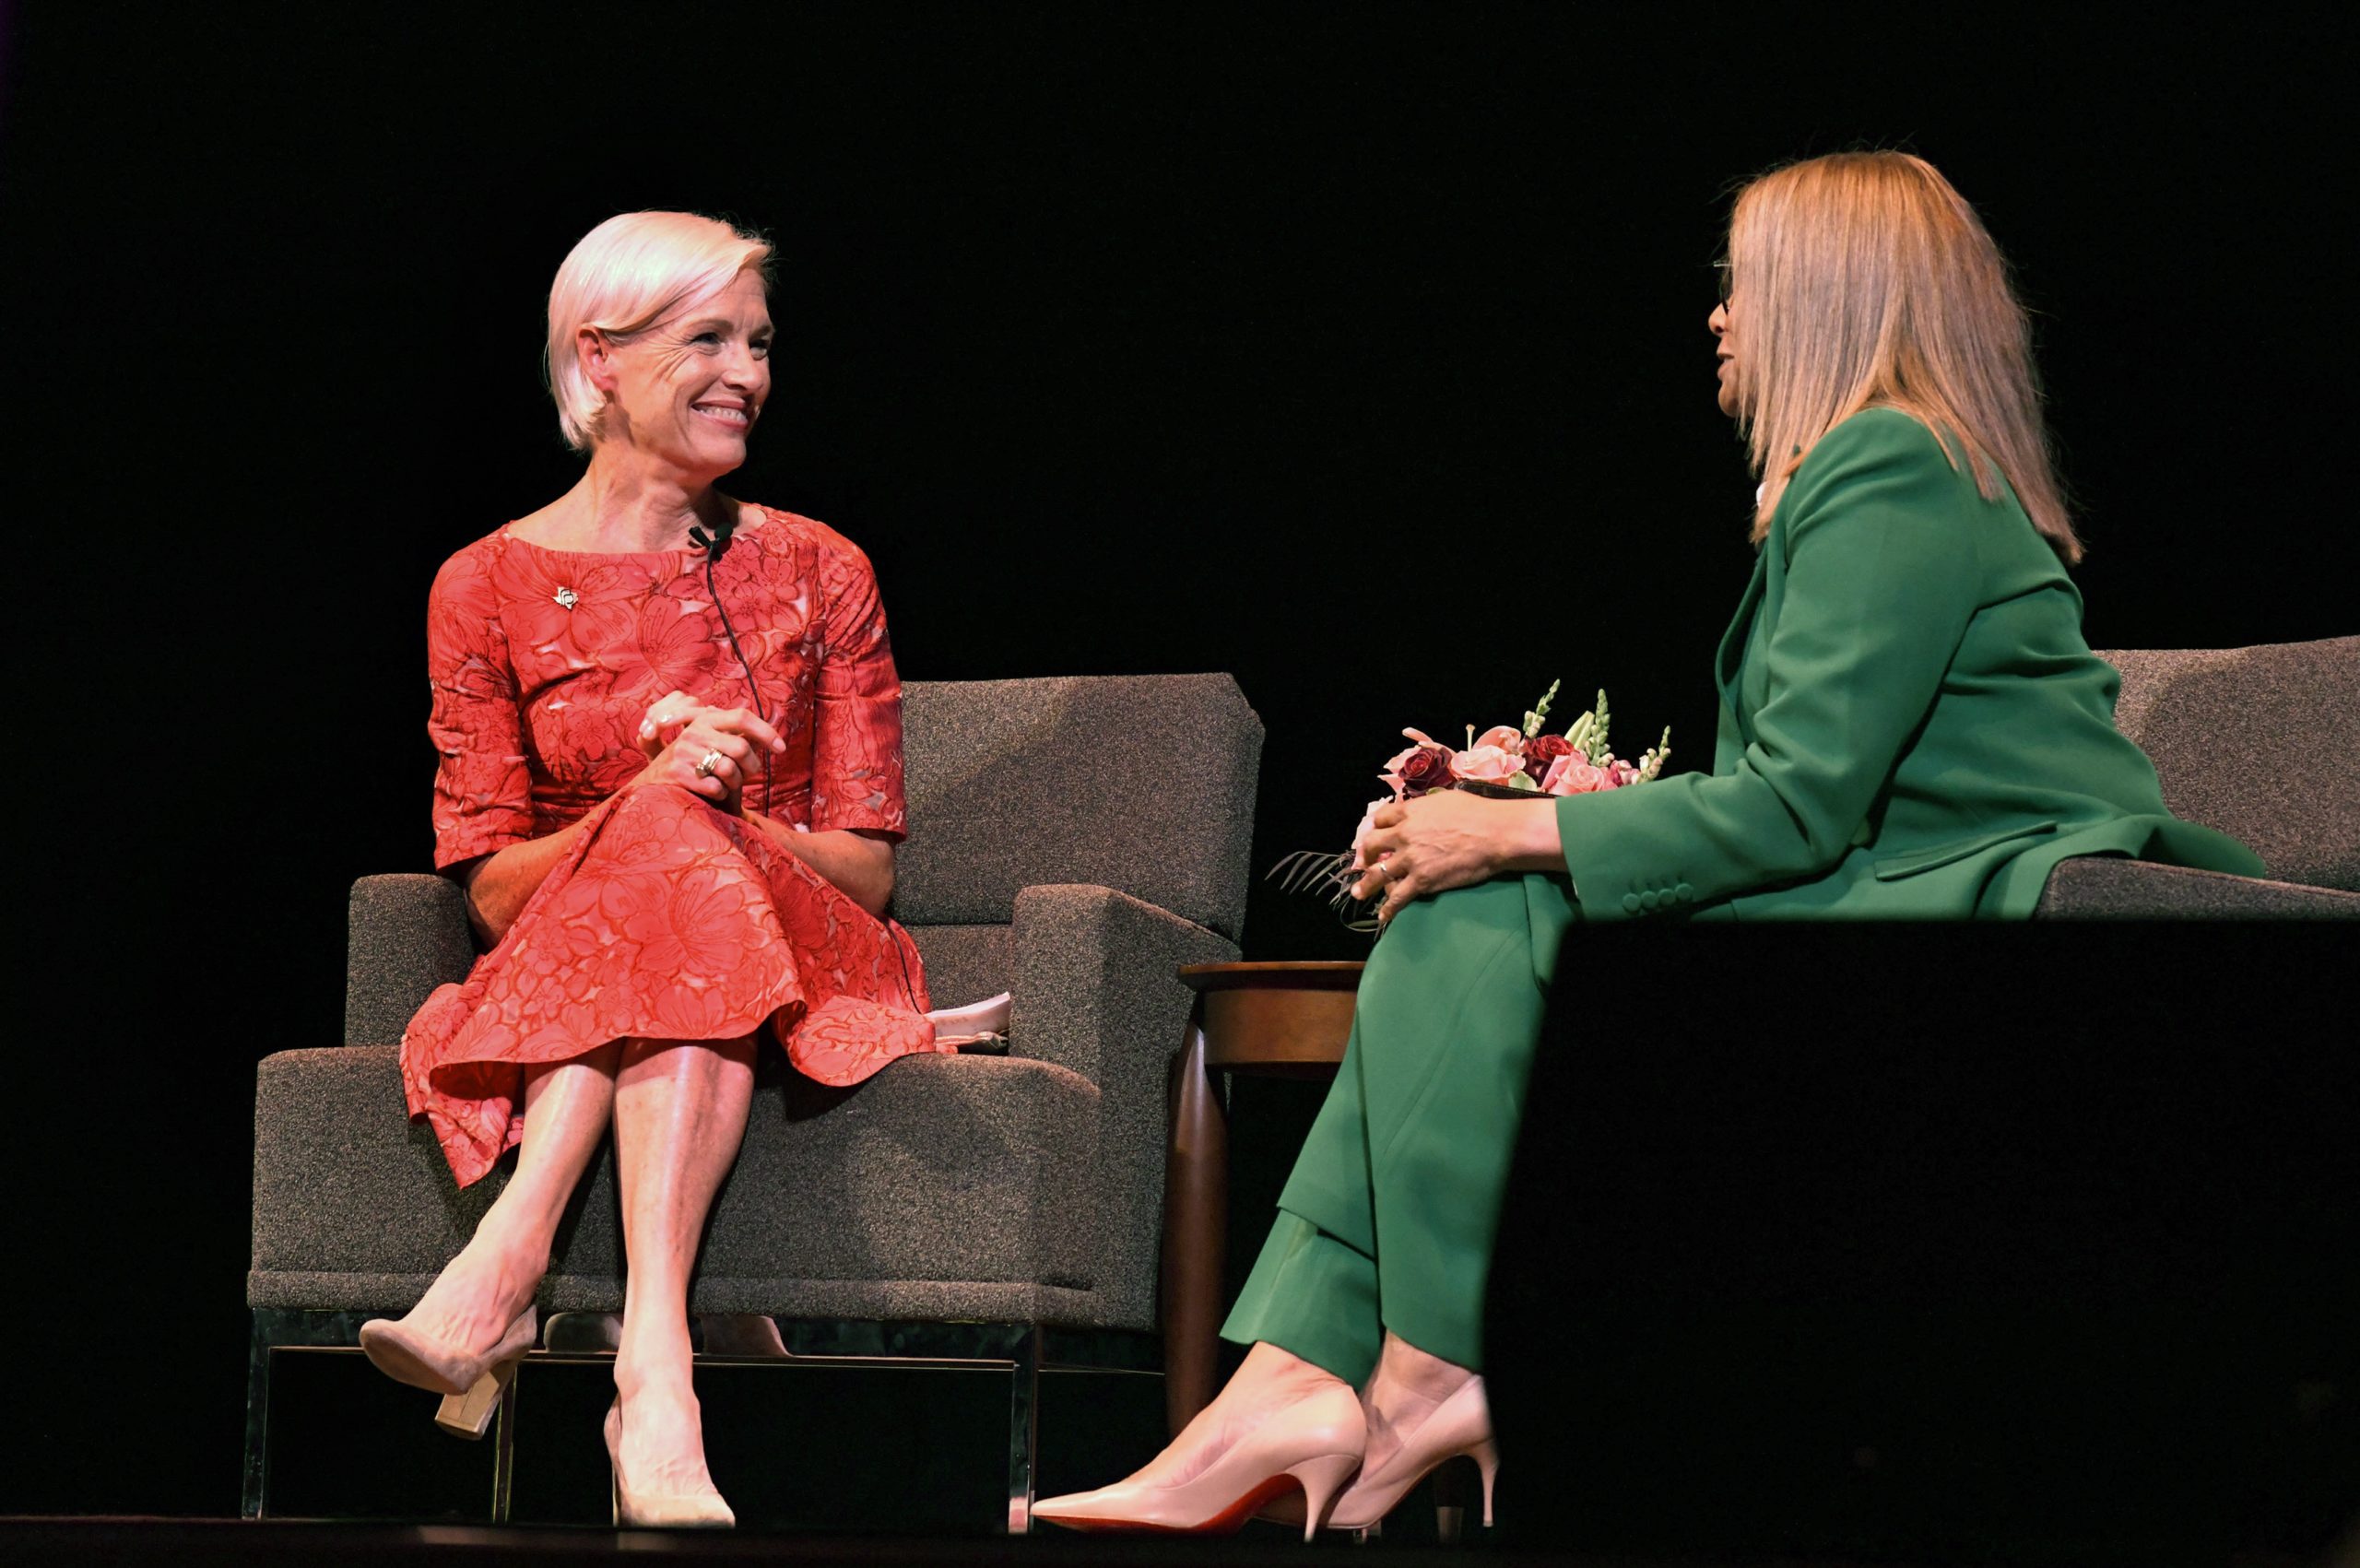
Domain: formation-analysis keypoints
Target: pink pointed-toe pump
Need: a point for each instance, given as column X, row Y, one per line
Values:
column 1460, row 1425
column 471, row 1385
column 1313, row 1445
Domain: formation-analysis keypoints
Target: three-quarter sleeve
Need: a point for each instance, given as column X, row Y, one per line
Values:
column 483, row 790
column 857, row 722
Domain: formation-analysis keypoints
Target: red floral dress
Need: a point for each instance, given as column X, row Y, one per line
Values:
column 670, row 918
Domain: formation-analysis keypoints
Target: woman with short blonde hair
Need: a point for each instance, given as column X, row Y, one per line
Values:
column 1911, row 727
column 669, row 735
column 623, row 277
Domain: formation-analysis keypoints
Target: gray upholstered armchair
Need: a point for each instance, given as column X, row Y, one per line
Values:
column 1071, row 840
column 2259, row 742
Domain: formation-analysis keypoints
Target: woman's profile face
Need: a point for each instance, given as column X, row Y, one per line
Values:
column 687, row 390
column 1726, row 369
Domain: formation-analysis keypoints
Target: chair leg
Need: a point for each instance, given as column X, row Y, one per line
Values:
column 1023, row 1426
column 257, row 1459
column 277, row 1329
column 503, row 1454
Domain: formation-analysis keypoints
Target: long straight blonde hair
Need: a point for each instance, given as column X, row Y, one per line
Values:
column 1861, row 279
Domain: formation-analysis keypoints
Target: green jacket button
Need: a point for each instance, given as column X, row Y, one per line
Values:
column 1630, row 903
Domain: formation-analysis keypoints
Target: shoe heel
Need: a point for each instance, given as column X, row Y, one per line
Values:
column 1487, row 1459
column 469, row 1415
column 1323, row 1480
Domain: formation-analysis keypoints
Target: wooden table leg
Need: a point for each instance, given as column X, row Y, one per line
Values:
column 1196, row 1205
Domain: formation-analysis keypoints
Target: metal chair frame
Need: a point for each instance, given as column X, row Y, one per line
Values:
column 810, row 1342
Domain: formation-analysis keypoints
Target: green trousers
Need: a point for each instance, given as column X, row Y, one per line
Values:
column 1389, row 1218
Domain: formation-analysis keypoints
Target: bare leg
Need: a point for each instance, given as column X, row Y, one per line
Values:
column 479, row 1292
column 679, row 1114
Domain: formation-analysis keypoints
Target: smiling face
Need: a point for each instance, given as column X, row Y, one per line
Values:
column 685, row 393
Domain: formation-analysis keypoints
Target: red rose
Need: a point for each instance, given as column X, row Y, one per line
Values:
column 1541, row 750
column 1424, row 768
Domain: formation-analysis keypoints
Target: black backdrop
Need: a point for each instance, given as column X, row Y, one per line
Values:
column 1357, row 351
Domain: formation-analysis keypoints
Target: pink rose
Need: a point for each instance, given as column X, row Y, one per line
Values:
column 1570, row 774
column 1487, row 764
column 1506, row 737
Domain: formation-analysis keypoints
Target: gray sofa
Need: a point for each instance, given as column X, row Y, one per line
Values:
column 2262, row 743
column 1072, row 841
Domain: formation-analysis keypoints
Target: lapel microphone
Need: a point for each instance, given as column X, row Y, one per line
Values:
column 713, row 543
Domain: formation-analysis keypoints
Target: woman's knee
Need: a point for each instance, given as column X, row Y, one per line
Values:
column 666, row 800
column 683, row 1061
column 1447, row 926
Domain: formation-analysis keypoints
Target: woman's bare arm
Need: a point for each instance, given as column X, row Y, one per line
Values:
column 499, row 885
column 859, row 863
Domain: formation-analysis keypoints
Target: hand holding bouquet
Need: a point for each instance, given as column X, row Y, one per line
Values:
column 1503, row 762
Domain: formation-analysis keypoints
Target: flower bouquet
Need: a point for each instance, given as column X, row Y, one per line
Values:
column 1505, row 762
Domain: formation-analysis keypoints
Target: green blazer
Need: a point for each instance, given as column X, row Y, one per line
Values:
column 1911, row 726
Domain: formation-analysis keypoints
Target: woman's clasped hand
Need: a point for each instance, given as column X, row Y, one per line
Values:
column 1413, row 849
column 707, row 750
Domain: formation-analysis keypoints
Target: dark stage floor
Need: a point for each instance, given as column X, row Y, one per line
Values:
column 284, row 1543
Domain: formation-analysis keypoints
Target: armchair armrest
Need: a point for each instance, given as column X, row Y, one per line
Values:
column 408, row 934
column 1096, row 991
column 2092, row 887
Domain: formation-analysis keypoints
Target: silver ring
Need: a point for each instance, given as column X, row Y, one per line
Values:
column 708, row 762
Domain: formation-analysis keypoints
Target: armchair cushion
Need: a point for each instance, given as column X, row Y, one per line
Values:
column 969, row 1165
column 2257, row 742
column 2110, row 887
column 1144, row 782
column 965, row 963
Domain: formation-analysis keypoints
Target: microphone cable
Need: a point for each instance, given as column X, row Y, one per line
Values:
column 715, row 545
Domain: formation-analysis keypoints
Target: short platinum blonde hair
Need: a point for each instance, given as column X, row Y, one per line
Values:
column 624, row 277
column 1863, row 279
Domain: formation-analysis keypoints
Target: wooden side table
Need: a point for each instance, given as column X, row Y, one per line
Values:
column 1273, row 1019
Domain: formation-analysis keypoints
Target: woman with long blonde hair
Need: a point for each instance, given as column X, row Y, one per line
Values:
column 1911, row 727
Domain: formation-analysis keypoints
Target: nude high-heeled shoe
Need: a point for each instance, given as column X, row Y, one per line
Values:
column 471, row 1385
column 1460, row 1425
column 703, row 1510
column 1313, row 1445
